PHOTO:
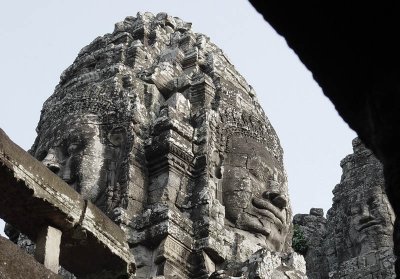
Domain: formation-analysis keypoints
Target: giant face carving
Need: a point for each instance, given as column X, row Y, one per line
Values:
column 370, row 221
column 255, row 192
column 73, row 148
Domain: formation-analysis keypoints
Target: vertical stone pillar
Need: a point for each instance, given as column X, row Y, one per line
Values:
column 48, row 248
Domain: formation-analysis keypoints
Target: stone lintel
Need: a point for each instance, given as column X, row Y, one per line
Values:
column 33, row 198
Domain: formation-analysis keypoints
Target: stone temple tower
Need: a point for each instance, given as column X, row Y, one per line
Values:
column 153, row 124
column 355, row 240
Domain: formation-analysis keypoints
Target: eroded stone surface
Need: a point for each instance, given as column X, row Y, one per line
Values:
column 355, row 241
column 154, row 125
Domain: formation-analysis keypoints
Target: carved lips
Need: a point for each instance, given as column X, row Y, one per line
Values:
column 365, row 223
column 266, row 209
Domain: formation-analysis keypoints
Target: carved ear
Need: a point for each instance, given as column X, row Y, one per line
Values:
column 117, row 136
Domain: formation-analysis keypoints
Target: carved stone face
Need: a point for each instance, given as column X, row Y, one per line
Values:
column 370, row 219
column 255, row 192
column 72, row 149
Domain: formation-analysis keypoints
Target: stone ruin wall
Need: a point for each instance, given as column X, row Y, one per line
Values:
column 355, row 239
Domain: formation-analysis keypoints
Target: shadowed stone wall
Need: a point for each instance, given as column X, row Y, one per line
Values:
column 354, row 57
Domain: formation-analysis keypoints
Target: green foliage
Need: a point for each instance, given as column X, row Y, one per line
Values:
column 299, row 243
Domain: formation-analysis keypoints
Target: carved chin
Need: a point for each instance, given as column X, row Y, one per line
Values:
column 274, row 235
column 253, row 224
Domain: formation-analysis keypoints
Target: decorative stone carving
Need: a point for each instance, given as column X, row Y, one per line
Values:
column 254, row 192
column 356, row 237
column 154, row 125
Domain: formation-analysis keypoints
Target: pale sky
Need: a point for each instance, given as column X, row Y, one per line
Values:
column 39, row 39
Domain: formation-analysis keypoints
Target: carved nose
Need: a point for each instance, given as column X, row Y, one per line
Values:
column 365, row 215
column 51, row 161
column 276, row 199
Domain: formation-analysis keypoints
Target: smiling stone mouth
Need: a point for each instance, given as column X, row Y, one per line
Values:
column 366, row 225
column 266, row 209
